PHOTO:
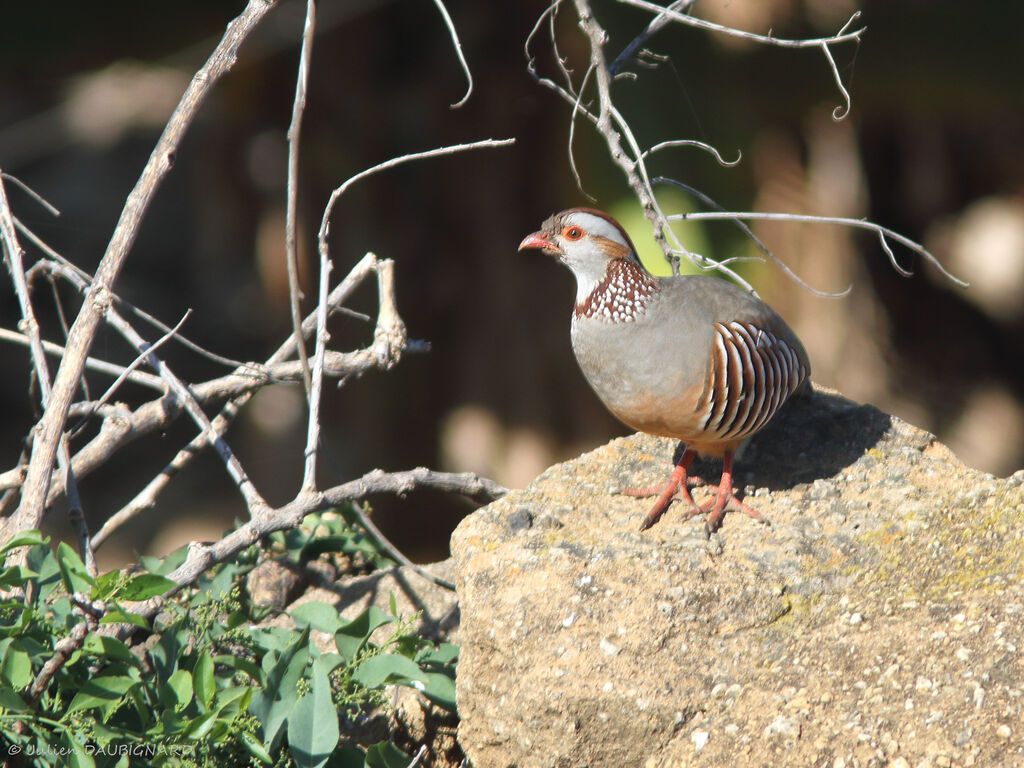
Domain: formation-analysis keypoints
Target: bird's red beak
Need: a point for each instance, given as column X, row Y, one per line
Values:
column 538, row 240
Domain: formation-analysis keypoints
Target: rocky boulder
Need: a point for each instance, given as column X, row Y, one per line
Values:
column 876, row 621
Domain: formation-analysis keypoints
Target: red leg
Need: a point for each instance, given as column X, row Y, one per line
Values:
column 676, row 487
column 725, row 498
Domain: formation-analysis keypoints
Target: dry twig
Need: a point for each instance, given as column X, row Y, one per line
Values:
column 626, row 152
column 44, row 448
column 294, row 129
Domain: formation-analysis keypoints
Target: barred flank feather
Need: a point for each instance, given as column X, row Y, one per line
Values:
column 752, row 372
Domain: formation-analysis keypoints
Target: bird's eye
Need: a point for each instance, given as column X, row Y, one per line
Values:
column 572, row 233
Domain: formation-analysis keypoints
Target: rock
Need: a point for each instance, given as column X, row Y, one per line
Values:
column 587, row 643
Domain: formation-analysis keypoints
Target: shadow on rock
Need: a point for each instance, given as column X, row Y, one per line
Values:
column 812, row 437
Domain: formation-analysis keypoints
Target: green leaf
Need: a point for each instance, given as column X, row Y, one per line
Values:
column 346, row 756
column 272, row 705
column 387, row 668
column 44, row 562
column 103, row 692
column 107, row 584
column 165, row 565
column 109, row 648
column 440, row 689
column 16, row 576
column 386, row 755
column 445, row 653
column 11, row 701
column 229, row 702
column 330, row 661
column 202, row 678
column 76, row 754
column 255, row 748
column 217, row 584
column 313, row 725
column 318, row 615
column 241, row 664
column 16, row 668
column 120, row 616
column 73, row 572
column 27, row 538
column 351, row 637
column 176, row 693
column 145, row 586
column 200, row 726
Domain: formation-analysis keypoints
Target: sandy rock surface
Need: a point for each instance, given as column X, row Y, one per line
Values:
column 877, row 620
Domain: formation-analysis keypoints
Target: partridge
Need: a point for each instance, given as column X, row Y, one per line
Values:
column 694, row 358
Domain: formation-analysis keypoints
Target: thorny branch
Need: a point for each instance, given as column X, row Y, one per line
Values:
column 590, row 96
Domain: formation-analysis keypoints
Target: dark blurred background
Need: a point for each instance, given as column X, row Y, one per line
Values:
column 932, row 148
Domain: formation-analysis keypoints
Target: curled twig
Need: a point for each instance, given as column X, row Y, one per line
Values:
column 884, row 233
column 458, row 52
column 693, row 143
column 757, row 243
column 843, row 36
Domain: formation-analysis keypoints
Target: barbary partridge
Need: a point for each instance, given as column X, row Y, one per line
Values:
column 694, row 357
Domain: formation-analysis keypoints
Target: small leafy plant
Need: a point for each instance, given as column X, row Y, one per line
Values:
column 86, row 682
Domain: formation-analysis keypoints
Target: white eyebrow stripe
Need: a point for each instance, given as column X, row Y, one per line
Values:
column 596, row 225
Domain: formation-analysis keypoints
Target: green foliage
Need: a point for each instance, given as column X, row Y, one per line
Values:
column 203, row 684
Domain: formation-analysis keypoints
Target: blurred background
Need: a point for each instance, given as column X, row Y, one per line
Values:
column 932, row 148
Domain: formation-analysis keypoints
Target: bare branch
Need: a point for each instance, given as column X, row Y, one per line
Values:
column 659, row 21
column 613, row 128
column 843, row 36
column 884, row 233
column 14, row 253
column 675, row 15
column 238, row 387
column 757, row 242
column 117, row 300
column 458, row 52
column 42, row 201
column 567, row 92
column 61, row 653
column 34, row 491
column 291, row 252
column 202, row 557
column 313, row 429
column 394, row 552
column 142, row 356
column 693, row 143
column 576, row 109
column 418, row 757
column 253, row 500
column 840, row 112
column 101, row 366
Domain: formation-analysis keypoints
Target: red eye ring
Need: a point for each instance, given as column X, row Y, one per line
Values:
column 572, row 233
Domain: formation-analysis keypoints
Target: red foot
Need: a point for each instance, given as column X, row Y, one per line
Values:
column 724, row 499
column 675, row 488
